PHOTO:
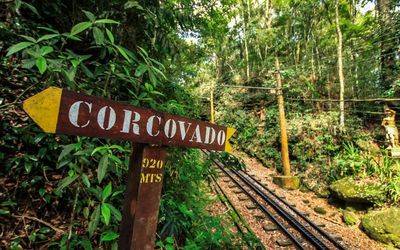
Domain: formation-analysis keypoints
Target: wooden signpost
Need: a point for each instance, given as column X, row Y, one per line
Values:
column 61, row 111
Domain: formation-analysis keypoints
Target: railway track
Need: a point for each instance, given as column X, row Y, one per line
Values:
column 292, row 223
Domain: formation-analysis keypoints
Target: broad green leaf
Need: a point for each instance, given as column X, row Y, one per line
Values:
column 132, row 4
column 117, row 214
column 140, row 70
column 46, row 50
column 109, row 236
column 41, row 64
column 47, row 37
column 157, row 93
column 87, row 71
column 48, row 29
column 29, row 38
column 65, row 182
column 17, row 47
column 110, row 36
column 80, row 27
column 106, row 212
column 8, row 203
column 75, row 62
column 31, row 7
column 72, row 37
column 94, row 221
column 115, row 159
column 67, row 149
column 102, row 168
column 169, row 240
column 86, row 244
column 85, row 180
column 153, row 79
column 106, row 21
column 159, row 72
column 4, row 212
column 143, row 51
column 123, row 52
column 98, row 36
column 107, row 191
column 89, row 15
column 70, row 74
column 28, row 63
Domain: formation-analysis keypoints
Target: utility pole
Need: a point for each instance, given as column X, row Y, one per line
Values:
column 282, row 120
column 287, row 180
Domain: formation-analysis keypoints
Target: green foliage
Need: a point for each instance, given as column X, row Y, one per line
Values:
column 97, row 49
column 183, row 213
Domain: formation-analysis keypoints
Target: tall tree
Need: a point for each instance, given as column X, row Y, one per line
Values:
column 388, row 47
column 340, row 64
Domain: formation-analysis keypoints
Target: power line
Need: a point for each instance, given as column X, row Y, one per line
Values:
column 345, row 100
column 247, row 87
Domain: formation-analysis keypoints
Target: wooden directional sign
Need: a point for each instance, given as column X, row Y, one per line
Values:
column 61, row 111
column 57, row 110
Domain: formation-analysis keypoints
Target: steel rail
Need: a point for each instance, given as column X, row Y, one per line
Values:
column 300, row 214
column 261, row 206
column 285, row 213
column 287, row 216
column 220, row 191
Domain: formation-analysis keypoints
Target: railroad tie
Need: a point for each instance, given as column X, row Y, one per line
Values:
column 270, row 227
column 232, row 185
column 284, row 242
column 259, row 217
column 237, row 191
column 243, row 197
column 337, row 237
column 251, row 206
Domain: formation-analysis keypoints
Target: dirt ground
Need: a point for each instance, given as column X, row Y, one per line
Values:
column 352, row 236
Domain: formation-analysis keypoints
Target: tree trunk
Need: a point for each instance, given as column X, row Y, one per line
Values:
column 340, row 65
column 388, row 48
column 245, row 36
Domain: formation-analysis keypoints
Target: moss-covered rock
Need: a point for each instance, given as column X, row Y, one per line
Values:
column 350, row 218
column 320, row 210
column 383, row 226
column 350, row 191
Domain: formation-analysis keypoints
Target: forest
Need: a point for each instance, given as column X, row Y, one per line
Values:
column 319, row 76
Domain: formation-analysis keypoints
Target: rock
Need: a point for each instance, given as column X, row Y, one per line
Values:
column 350, row 218
column 287, row 182
column 320, row 210
column 383, row 225
column 322, row 191
column 349, row 190
column 306, row 201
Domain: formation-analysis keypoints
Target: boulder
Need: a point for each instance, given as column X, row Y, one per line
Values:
column 383, row 226
column 350, row 218
column 350, row 191
column 320, row 210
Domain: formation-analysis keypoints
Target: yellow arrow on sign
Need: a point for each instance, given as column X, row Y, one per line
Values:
column 44, row 107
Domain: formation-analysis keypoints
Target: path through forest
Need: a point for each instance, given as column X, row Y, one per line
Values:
column 306, row 201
